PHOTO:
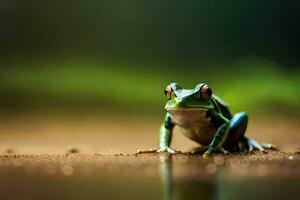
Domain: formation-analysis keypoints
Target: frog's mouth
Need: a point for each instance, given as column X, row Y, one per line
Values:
column 186, row 111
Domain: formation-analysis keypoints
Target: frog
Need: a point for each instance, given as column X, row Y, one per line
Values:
column 204, row 118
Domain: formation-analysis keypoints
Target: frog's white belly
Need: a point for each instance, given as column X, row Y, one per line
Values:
column 194, row 124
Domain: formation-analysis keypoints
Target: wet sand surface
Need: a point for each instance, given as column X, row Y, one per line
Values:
column 274, row 175
column 90, row 158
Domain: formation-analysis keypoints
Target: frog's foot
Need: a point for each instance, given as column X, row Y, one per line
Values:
column 210, row 150
column 252, row 144
column 206, row 151
column 200, row 151
column 268, row 146
column 224, row 151
column 168, row 150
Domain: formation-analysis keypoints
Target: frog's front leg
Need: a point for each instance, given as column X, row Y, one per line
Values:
column 165, row 135
column 223, row 125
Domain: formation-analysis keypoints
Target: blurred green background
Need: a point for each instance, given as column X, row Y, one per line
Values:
column 118, row 56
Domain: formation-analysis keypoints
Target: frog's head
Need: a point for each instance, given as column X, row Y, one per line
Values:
column 179, row 98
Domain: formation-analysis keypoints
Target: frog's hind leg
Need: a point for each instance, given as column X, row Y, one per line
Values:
column 238, row 126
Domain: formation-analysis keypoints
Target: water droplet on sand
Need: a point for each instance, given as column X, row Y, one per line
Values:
column 291, row 157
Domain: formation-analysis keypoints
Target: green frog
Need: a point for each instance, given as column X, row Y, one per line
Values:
column 204, row 118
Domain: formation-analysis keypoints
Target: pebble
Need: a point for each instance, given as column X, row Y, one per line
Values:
column 10, row 151
column 73, row 150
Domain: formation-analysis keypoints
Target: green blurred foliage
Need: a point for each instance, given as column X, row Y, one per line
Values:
column 251, row 85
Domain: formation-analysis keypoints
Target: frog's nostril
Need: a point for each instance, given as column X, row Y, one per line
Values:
column 178, row 102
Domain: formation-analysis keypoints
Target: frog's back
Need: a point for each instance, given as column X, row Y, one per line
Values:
column 223, row 106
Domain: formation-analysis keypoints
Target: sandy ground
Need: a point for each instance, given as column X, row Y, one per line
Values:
column 56, row 133
column 86, row 157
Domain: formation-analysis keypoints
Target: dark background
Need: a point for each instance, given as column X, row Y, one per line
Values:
column 102, row 55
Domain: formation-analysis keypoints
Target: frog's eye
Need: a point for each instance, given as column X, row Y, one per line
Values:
column 168, row 92
column 205, row 92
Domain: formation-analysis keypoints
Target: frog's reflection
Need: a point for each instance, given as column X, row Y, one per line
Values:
column 166, row 176
column 188, row 179
column 184, row 188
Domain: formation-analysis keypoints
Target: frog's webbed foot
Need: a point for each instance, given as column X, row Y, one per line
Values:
column 167, row 150
column 156, row 150
column 210, row 150
column 161, row 150
column 206, row 151
column 252, row 144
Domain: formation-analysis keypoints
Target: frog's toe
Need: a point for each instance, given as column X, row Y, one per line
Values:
column 206, row 151
column 253, row 144
column 224, row 151
column 267, row 146
column 250, row 148
column 168, row 150
column 206, row 154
